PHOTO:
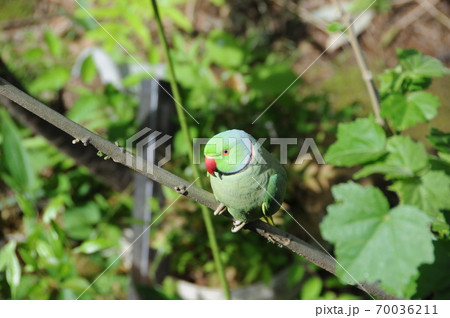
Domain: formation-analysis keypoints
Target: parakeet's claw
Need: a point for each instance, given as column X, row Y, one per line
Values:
column 220, row 209
column 269, row 220
column 237, row 225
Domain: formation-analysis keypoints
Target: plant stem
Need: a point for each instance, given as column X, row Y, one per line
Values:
column 182, row 118
column 365, row 72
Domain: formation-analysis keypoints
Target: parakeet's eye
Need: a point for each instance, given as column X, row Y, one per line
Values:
column 226, row 152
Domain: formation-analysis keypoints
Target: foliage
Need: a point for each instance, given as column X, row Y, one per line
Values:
column 72, row 224
column 361, row 224
column 63, row 236
column 70, row 227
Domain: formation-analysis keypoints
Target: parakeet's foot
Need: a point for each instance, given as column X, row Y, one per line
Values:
column 237, row 225
column 220, row 209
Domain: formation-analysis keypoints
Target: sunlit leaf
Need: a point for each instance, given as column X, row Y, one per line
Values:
column 404, row 159
column 357, row 142
column 373, row 243
column 406, row 111
column 16, row 158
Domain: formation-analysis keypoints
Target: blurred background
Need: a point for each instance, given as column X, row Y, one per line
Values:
column 67, row 214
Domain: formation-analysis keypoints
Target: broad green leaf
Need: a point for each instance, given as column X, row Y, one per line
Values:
column 430, row 193
column 15, row 157
column 53, row 80
column 426, row 102
column 404, row 159
column 373, row 243
column 53, row 42
column 357, row 142
column 407, row 111
column 421, row 65
column 440, row 140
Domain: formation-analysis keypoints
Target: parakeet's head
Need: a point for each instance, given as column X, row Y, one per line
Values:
column 228, row 152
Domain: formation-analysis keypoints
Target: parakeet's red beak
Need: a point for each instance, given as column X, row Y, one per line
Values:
column 210, row 164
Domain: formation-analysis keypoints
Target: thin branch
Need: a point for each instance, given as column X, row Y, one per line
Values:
column 365, row 72
column 164, row 177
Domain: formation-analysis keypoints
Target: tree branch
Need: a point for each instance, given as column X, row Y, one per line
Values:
column 164, row 177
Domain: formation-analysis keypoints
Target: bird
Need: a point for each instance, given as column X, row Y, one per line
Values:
column 245, row 178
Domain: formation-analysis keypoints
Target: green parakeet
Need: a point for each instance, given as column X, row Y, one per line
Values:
column 246, row 179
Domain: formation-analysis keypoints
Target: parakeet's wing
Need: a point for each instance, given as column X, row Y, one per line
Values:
column 274, row 194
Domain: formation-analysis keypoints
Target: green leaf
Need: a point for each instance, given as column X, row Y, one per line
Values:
column 357, row 142
column 421, row 65
column 53, row 80
column 5, row 254
column 311, row 289
column 88, row 70
column 10, row 263
column 53, row 209
column 53, row 42
column 334, row 27
column 373, row 243
column 15, row 157
column 224, row 50
column 33, row 54
column 78, row 284
column 177, row 17
column 78, row 221
column 430, row 193
column 388, row 80
column 93, row 246
column 407, row 111
column 405, row 158
column 440, row 140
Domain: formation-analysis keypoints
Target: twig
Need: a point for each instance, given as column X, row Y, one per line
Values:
column 164, row 177
column 365, row 72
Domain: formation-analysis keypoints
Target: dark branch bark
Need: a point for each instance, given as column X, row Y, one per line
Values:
column 164, row 177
